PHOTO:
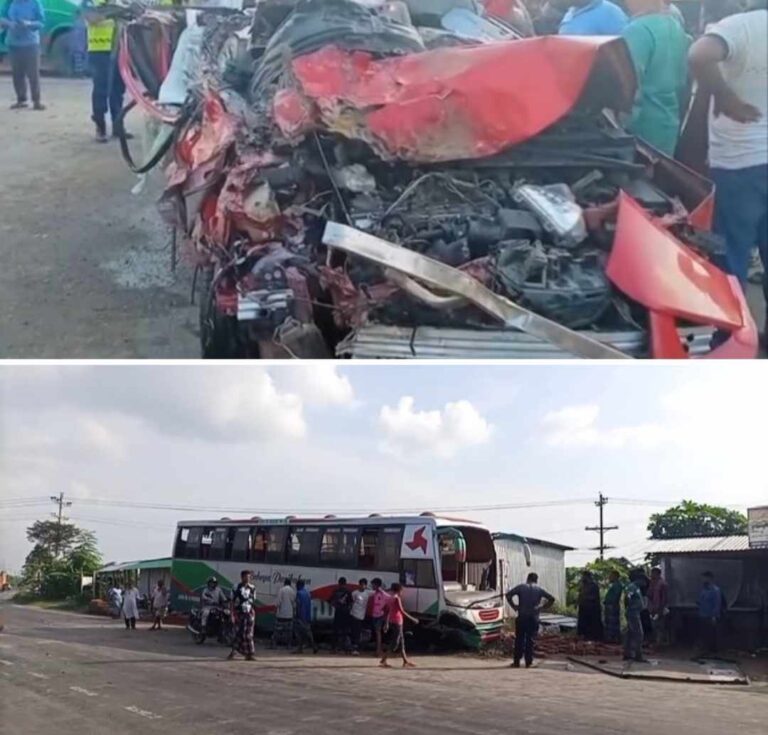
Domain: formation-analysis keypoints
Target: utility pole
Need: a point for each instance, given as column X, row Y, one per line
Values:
column 59, row 500
column 602, row 528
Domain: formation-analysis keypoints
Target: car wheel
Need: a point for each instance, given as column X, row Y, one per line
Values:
column 60, row 55
column 218, row 334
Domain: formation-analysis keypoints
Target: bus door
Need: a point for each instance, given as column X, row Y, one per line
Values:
column 417, row 570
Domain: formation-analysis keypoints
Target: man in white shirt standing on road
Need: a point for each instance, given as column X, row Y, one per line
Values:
column 285, row 607
column 357, row 612
column 731, row 61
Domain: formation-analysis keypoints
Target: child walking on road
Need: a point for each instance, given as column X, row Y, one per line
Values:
column 396, row 615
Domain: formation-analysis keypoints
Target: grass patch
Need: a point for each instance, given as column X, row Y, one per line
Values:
column 75, row 604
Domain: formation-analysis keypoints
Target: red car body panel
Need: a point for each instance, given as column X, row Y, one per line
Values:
column 456, row 103
column 652, row 267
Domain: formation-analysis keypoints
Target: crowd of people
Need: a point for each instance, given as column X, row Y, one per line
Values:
column 646, row 610
column 124, row 602
column 364, row 607
column 352, row 608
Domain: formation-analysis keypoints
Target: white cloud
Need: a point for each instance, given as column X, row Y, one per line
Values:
column 319, row 384
column 439, row 432
column 578, row 427
column 100, row 438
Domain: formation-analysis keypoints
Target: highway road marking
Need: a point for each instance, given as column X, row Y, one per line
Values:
column 87, row 693
column 143, row 712
column 6, row 663
column 38, row 676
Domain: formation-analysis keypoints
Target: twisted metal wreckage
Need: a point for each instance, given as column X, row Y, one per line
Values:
column 415, row 180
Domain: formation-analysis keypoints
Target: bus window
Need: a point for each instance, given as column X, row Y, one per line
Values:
column 181, row 543
column 259, row 548
column 275, row 540
column 218, row 544
column 205, row 543
column 418, row 573
column 388, row 548
column 192, row 548
column 241, row 543
column 338, row 546
column 366, row 558
column 303, row 545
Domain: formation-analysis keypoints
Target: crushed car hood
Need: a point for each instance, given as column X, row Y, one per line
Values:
column 458, row 103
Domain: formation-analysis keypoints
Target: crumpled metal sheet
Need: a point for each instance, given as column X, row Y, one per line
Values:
column 458, row 103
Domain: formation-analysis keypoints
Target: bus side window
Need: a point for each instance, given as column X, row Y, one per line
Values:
column 338, row 547
column 418, row 573
column 388, row 548
column 192, row 547
column 205, row 543
column 241, row 544
column 259, row 548
column 218, row 544
column 276, row 536
column 303, row 545
column 181, row 543
column 366, row 558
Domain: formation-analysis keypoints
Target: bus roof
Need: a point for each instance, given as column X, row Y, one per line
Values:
column 370, row 520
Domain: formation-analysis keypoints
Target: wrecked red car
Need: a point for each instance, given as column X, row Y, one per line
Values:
column 416, row 180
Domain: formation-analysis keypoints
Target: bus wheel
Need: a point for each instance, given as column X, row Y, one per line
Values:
column 60, row 54
column 199, row 638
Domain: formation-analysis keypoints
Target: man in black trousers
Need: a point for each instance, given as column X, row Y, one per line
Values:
column 528, row 606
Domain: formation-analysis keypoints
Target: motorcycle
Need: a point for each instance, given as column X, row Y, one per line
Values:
column 218, row 625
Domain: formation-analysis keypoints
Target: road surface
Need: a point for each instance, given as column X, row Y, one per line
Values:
column 73, row 675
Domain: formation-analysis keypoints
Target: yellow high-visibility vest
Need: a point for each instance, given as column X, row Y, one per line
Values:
column 101, row 35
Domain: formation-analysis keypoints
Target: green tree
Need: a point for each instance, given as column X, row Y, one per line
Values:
column 697, row 519
column 600, row 568
column 57, row 537
column 58, row 558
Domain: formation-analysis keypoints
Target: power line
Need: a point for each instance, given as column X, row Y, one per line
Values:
column 602, row 528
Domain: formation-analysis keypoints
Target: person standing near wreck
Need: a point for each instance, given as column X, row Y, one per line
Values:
column 593, row 18
column 730, row 61
column 612, row 607
column 528, row 606
column 590, row 620
column 108, row 87
column 22, row 21
column 633, row 606
column 658, row 46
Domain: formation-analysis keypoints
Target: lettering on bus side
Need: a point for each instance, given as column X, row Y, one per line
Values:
column 279, row 578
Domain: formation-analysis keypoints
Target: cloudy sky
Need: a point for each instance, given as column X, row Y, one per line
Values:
column 259, row 440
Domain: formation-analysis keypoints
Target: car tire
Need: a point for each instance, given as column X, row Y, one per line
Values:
column 218, row 334
column 60, row 54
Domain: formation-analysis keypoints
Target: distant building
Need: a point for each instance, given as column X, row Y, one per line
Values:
column 741, row 571
column 519, row 555
column 146, row 572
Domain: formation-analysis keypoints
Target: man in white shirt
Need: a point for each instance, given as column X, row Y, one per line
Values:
column 731, row 61
column 357, row 612
column 285, row 606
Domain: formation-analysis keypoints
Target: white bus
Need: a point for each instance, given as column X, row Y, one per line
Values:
column 447, row 566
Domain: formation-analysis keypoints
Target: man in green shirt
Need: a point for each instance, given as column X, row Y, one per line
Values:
column 658, row 46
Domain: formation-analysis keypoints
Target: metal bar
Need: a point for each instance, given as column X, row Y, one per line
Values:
column 445, row 278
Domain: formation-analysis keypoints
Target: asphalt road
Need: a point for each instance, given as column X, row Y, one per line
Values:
column 73, row 675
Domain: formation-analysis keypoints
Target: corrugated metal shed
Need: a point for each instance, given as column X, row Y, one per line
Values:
column 518, row 555
column 698, row 545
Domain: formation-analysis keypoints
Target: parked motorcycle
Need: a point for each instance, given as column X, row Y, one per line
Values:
column 219, row 625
